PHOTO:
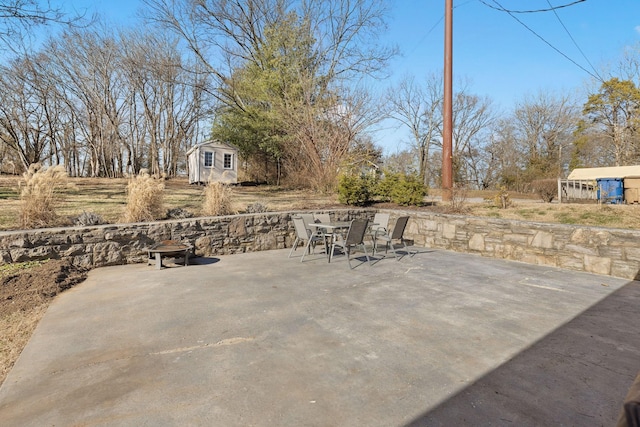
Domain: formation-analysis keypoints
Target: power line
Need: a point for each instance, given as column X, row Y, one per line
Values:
column 501, row 8
column 574, row 42
column 436, row 26
column 551, row 8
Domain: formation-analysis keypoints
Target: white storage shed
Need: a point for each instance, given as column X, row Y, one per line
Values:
column 212, row 161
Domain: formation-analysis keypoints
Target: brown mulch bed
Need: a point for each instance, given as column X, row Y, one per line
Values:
column 25, row 294
column 27, row 288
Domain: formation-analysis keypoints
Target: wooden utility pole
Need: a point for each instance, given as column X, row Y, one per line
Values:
column 447, row 136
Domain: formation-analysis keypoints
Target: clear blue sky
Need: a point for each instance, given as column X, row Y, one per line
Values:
column 500, row 57
column 505, row 60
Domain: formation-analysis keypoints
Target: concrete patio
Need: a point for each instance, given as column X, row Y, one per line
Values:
column 258, row 339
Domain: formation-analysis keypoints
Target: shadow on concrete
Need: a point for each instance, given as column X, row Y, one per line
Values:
column 202, row 260
column 578, row 375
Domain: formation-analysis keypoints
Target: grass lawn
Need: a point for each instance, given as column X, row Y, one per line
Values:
column 107, row 198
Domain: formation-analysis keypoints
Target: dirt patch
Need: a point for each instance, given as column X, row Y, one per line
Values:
column 25, row 294
column 31, row 287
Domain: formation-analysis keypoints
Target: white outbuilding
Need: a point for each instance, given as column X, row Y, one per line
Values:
column 212, row 161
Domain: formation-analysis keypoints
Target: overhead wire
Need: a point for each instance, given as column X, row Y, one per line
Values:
column 574, row 41
column 503, row 9
column 551, row 8
column 419, row 42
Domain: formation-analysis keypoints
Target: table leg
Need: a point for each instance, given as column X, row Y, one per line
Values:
column 158, row 261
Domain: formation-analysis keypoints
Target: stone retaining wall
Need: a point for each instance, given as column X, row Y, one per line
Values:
column 607, row 251
column 103, row 245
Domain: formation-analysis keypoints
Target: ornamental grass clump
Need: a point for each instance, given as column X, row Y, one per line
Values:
column 217, row 199
column 145, row 198
column 39, row 196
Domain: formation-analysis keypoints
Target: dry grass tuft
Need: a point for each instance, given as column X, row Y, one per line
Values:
column 145, row 198
column 217, row 199
column 38, row 201
column 17, row 329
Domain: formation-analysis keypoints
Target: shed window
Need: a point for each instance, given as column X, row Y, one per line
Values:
column 208, row 159
column 228, row 161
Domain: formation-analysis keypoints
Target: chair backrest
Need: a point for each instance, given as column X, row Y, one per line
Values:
column 300, row 227
column 382, row 221
column 357, row 230
column 308, row 219
column 398, row 229
column 322, row 217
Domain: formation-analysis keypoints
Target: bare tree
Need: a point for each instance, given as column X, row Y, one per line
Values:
column 544, row 126
column 86, row 64
column 472, row 119
column 505, row 155
column 418, row 108
column 164, row 96
column 19, row 17
column 27, row 119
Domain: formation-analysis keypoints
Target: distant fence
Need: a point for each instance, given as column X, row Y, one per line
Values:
column 570, row 190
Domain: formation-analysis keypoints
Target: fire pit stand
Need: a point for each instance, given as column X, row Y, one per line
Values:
column 168, row 248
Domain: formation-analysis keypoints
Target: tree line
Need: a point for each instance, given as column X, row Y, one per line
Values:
column 103, row 103
column 284, row 81
column 544, row 136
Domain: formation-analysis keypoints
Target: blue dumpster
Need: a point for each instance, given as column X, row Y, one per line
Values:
column 610, row 190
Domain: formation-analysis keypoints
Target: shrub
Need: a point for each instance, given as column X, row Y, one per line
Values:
column 355, row 189
column 458, row 203
column 386, row 185
column 401, row 189
column 88, row 218
column 547, row 189
column 217, row 199
column 408, row 191
column 178, row 213
column 256, row 207
column 145, row 198
column 38, row 201
column 501, row 199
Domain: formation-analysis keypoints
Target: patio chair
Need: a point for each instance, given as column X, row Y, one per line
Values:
column 379, row 226
column 397, row 235
column 322, row 217
column 308, row 219
column 304, row 234
column 354, row 238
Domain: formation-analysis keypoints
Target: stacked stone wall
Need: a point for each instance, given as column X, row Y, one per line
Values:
column 607, row 251
column 103, row 245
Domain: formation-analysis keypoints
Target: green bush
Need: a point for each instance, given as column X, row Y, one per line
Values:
column 360, row 190
column 401, row 189
column 355, row 189
column 386, row 186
